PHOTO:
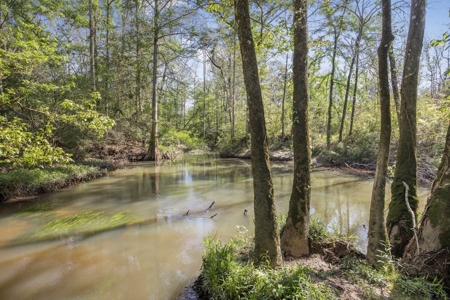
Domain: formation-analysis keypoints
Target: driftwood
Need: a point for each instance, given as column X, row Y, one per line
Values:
column 202, row 212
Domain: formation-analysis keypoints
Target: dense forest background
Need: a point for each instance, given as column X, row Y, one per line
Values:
column 76, row 76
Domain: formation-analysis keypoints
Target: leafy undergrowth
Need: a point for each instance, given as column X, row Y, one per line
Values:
column 83, row 223
column 228, row 272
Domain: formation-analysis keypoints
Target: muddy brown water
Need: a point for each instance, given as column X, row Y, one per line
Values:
column 156, row 260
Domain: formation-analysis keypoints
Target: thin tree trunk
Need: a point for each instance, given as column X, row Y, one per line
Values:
column 283, row 132
column 394, row 81
column 92, row 35
column 377, row 230
column 267, row 238
column 233, row 89
column 152, row 153
column 204, row 95
column 399, row 220
column 330, row 96
column 294, row 238
column 355, row 89
column 138, row 64
column 349, row 77
column 108, row 58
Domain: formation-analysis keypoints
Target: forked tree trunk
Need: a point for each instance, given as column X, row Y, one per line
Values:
column 377, row 229
column 399, row 220
column 294, row 238
column 267, row 238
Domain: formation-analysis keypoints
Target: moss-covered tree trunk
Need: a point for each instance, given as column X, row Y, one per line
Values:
column 377, row 229
column 433, row 254
column 267, row 240
column 294, row 238
column 399, row 220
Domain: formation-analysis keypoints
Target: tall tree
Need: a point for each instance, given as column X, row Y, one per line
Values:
column 294, row 238
column 363, row 20
column 267, row 240
column 399, row 220
column 337, row 31
column 92, row 43
column 377, row 229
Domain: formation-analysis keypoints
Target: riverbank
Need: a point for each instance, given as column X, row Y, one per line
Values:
column 23, row 185
column 426, row 172
column 333, row 270
column 26, row 184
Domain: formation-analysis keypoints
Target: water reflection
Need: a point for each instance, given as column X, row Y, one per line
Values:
column 156, row 260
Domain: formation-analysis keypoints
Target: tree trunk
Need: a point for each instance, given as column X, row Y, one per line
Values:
column 394, row 81
column 283, row 133
column 92, row 37
column 434, row 232
column 294, row 238
column 330, row 96
column 377, row 229
column 137, row 90
column 349, row 77
column 152, row 153
column 267, row 241
column 355, row 89
column 399, row 219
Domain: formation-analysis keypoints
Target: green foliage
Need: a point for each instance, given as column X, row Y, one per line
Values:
column 232, row 146
column 20, row 147
column 358, row 271
column 318, row 231
column 225, row 277
column 179, row 138
column 418, row 288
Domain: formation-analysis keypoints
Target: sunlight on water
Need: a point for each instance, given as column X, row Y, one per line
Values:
column 157, row 259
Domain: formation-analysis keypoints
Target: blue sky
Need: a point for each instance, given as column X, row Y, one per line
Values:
column 437, row 19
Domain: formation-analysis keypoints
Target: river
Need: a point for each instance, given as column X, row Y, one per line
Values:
column 157, row 259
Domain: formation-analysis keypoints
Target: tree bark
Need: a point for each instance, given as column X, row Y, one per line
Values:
column 355, row 89
column 394, row 81
column 267, row 241
column 399, row 219
column 434, row 232
column 294, row 238
column 92, row 42
column 152, row 153
column 377, row 229
column 330, row 96
column 283, row 101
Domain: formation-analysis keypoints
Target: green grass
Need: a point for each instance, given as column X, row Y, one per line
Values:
column 228, row 272
column 226, row 276
column 21, row 182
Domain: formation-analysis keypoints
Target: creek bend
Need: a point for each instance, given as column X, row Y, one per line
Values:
column 156, row 259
